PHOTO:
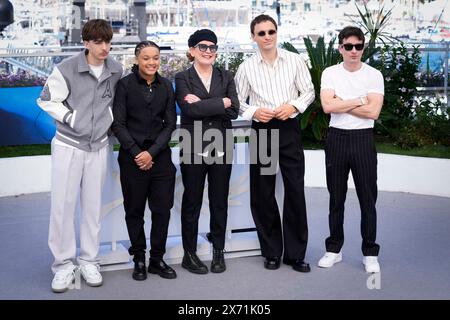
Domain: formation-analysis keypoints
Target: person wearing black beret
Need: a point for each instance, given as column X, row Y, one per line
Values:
column 208, row 101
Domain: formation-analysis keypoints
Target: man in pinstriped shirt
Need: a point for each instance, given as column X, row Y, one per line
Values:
column 278, row 86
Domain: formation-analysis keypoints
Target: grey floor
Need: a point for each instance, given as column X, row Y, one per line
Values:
column 413, row 231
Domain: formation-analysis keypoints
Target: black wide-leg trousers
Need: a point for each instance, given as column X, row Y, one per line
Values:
column 292, row 232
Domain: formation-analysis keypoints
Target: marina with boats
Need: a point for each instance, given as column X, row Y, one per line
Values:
column 52, row 22
column 37, row 34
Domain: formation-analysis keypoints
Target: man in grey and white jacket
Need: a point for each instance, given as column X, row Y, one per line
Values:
column 78, row 95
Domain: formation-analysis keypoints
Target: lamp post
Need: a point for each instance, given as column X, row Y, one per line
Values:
column 78, row 9
column 278, row 11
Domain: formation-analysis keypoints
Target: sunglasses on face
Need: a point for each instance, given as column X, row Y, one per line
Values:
column 263, row 33
column 203, row 47
column 349, row 46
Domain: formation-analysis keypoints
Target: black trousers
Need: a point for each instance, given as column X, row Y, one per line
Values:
column 352, row 150
column 194, row 176
column 155, row 186
column 264, row 207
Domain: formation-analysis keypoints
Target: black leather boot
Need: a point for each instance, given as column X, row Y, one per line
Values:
column 193, row 263
column 218, row 261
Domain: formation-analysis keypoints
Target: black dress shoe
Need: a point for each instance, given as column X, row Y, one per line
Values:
column 193, row 263
column 159, row 267
column 297, row 265
column 272, row 263
column 139, row 272
column 218, row 261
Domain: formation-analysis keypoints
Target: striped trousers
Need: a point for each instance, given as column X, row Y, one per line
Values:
column 353, row 150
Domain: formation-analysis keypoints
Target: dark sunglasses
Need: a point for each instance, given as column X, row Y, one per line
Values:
column 263, row 33
column 349, row 46
column 203, row 47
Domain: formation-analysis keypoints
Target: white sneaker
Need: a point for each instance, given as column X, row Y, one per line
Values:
column 371, row 264
column 91, row 274
column 63, row 279
column 329, row 259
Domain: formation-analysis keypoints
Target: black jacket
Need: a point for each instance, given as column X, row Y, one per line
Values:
column 144, row 116
column 210, row 110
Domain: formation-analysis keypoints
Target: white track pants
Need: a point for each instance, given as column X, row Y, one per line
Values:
column 76, row 172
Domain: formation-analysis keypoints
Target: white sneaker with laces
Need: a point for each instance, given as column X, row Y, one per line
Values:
column 91, row 274
column 371, row 264
column 329, row 259
column 63, row 279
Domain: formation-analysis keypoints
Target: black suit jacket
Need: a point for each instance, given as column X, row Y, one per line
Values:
column 210, row 111
column 144, row 116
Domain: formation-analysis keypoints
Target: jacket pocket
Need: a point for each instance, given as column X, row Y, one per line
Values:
column 78, row 123
column 72, row 120
column 110, row 113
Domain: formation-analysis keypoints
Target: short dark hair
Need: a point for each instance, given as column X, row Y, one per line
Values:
column 349, row 32
column 259, row 19
column 97, row 30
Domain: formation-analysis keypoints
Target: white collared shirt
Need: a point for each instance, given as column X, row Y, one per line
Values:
column 287, row 81
column 206, row 82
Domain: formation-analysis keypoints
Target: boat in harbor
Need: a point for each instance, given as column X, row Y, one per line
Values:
column 46, row 28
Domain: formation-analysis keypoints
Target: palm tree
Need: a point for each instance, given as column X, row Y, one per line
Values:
column 319, row 58
column 374, row 26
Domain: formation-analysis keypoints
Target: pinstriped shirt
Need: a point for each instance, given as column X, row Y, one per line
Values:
column 287, row 81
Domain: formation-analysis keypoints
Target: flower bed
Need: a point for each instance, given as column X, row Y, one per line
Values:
column 20, row 79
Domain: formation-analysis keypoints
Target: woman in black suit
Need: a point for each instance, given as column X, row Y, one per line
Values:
column 144, row 119
column 208, row 100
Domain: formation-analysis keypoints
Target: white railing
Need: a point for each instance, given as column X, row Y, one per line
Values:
column 41, row 60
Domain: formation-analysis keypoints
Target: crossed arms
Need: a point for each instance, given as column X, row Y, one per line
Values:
column 368, row 107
